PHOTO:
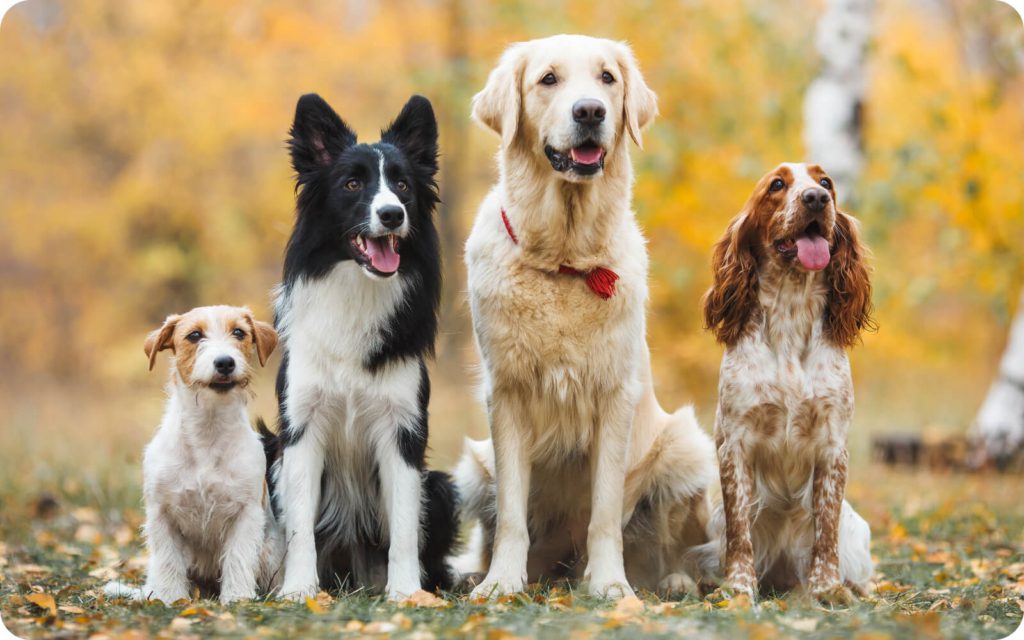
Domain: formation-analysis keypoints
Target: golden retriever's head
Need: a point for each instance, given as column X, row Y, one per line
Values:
column 212, row 346
column 569, row 99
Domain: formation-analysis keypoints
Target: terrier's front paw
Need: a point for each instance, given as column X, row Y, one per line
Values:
column 227, row 597
column 167, row 594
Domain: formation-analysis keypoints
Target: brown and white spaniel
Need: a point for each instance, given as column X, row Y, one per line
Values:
column 791, row 293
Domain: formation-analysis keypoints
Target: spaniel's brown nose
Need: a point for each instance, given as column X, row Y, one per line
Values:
column 815, row 198
column 588, row 111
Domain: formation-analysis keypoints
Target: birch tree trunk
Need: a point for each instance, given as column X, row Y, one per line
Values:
column 833, row 104
column 998, row 430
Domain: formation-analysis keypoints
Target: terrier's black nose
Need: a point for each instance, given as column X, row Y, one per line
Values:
column 391, row 216
column 225, row 365
column 588, row 111
column 815, row 198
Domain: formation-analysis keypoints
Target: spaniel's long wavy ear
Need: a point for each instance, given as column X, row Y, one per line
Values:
column 730, row 302
column 848, row 311
column 499, row 103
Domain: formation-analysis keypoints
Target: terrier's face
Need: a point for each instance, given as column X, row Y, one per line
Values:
column 213, row 346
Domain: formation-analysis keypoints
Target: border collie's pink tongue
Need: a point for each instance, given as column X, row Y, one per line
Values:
column 812, row 251
column 382, row 254
column 587, row 155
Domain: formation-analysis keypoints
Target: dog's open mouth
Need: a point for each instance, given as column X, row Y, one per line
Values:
column 378, row 255
column 585, row 159
column 810, row 248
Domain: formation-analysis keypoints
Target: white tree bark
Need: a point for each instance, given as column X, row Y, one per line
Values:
column 999, row 427
column 833, row 102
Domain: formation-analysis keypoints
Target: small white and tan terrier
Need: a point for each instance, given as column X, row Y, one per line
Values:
column 209, row 523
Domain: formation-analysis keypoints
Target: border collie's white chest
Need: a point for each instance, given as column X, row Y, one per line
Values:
column 331, row 325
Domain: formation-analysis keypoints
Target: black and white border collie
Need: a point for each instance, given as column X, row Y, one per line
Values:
column 357, row 315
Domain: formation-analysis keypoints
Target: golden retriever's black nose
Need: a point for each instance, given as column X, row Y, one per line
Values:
column 815, row 198
column 225, row 365
column 588, row 111
column 391, row 216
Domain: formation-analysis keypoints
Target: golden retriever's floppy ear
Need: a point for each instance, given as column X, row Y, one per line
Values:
column 498, row 104
column 639, row 103
column 731, row 301
column 848, row 311
column 265, row 338
column 160, row 339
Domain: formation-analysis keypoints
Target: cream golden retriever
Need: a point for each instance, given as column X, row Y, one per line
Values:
column 584, row 468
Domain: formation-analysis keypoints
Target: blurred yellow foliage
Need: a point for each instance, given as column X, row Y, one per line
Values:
column 144, row 168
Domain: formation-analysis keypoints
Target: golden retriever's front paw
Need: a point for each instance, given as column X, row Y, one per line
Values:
column 612, row 588
column 675, row 586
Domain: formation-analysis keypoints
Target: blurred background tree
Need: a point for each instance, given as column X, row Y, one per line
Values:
column 144, row 172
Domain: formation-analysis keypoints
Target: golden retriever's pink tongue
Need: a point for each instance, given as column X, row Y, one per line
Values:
column 382, row 255
column 587, row 155
column 812, row 251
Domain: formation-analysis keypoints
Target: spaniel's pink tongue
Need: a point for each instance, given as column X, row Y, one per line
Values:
column 382, row 255
column 587, row 155
column 812, row 251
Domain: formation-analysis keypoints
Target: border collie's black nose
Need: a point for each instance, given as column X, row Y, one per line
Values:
column 225, row 365
column 391, row 216
column 588, row 111
column 815, row 198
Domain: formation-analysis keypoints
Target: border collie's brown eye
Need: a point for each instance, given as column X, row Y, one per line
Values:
column 194, row 337
column 549, row 79
column 353, row 185
column 777, row 185
column 238, row 333
column 825, row 182
column 607, row 78
column 402, row 186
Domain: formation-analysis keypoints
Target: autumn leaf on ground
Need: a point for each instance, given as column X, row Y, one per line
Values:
column 196, row 611
column 44, row 601
column 425, row 599
column 320, row 603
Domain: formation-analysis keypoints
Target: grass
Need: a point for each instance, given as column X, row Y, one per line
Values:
column 949, row 552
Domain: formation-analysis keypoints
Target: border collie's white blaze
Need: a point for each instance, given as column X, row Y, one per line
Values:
column 360, row 510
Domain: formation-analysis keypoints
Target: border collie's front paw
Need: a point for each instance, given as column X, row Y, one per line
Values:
column 401, row 592
column 496, row 587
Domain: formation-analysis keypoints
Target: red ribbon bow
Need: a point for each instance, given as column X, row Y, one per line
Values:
column 600, row 280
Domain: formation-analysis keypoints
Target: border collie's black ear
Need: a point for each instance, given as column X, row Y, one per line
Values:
column 318, row 135
column 414, row 131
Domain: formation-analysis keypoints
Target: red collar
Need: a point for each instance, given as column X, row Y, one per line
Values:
column 601, row 281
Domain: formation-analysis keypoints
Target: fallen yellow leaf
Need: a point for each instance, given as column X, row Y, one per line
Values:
column 196, row 611
column 43, row 601
column 313, row 605
column 630, row 606
column 425, row 599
